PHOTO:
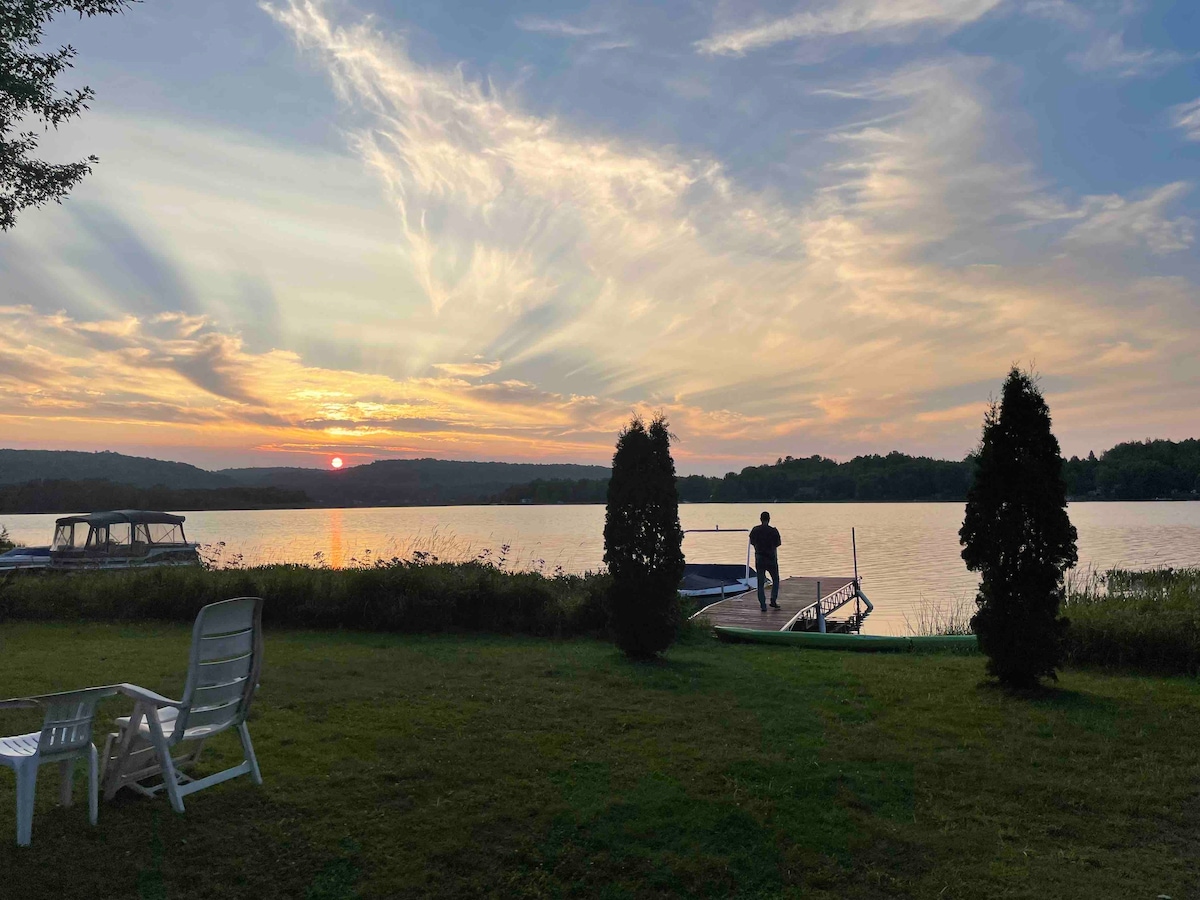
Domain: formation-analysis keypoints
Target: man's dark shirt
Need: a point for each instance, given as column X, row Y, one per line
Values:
column 765, row 539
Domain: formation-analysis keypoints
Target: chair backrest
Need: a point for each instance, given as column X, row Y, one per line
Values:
column 224, row 666
column 67, row 725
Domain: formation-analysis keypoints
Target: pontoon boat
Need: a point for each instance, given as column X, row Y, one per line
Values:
column 122, row 539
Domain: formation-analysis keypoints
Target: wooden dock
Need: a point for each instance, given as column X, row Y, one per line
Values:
column 796, row 594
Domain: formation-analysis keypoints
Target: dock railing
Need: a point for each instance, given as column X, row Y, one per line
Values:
column 821, row 607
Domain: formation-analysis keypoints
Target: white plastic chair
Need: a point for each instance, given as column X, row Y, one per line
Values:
column 223, row 671
column 65, row 738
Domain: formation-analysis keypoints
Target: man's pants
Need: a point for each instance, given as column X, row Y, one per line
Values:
column 763, row 566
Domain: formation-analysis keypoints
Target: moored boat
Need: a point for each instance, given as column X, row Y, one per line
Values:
column 120, row 539
column 716, row 580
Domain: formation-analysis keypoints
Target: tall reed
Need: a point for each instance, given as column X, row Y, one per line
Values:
column 1142, row 620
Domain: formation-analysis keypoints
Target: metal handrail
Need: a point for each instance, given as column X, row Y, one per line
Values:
column 830, row 603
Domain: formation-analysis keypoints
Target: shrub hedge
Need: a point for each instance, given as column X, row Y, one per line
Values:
column 397, row 596
column 1143, row 621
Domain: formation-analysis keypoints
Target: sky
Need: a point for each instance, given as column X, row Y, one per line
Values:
column 381, row 229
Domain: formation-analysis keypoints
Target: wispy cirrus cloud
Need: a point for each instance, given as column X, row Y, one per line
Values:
column 363, row 297
column 668, row 251
column 870, row 19
column 559, row 27
column 1109, row 53
column 1186, row 117
column 1063, row 11
column 476, row 369
column 1115, row 220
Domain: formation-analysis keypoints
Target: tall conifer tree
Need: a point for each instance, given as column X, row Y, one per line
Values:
column 1017, row 535
column 643, row 540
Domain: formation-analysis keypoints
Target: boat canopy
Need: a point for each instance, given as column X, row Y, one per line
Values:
column 121, row 531
column 130, row 516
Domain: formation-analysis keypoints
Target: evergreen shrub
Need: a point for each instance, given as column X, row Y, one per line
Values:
column 643, row 542
column 1017, row 535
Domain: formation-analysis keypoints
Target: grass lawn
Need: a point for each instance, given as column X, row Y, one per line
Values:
column 466, row 766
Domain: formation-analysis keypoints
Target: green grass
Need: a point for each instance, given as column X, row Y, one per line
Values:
column 452, row 766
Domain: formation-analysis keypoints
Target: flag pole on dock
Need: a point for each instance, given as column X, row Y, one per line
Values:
column 854, row 548
column 857, row 602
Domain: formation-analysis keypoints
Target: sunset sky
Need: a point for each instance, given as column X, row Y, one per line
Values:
column 491, row 231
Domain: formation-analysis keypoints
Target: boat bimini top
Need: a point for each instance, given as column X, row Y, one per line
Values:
column 120, row 528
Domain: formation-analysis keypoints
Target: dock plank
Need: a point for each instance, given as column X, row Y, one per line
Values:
column 795, row 594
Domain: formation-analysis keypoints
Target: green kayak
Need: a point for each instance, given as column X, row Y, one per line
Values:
column 863, row 643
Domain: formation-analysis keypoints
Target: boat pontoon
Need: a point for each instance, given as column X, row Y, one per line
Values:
column 122, row 539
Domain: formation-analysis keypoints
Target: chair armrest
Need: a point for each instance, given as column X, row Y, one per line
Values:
column 96, row 693
column 140, row 693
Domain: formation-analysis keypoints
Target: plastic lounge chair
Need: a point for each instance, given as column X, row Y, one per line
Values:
column 223, row 672
column 65, row 738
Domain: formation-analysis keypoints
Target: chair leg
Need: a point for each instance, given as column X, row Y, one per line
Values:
column 170, row 781
column 114, row 769
column 66, row 771
column 244, row 736
column 26, row 790
column 93, row 785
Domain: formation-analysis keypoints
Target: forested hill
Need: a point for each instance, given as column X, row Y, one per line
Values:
column 69, row 481
column 402, row 482
column 19, row 466
column 1147, row 470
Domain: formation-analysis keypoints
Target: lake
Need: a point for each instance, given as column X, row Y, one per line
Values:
column 908, row 553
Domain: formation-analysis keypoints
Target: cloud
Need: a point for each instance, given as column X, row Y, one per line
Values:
column 1110, row 54
column 1115, row 220
column 468, row 370
column 1186, row 117
column 176, row 369
column 871, row 19
column 668, row 283
column 1062, row 11
column 913, row 253
column 558, row 27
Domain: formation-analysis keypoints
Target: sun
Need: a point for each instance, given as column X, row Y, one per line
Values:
column 336, row 462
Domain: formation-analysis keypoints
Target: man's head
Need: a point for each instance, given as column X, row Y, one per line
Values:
column 765, row 518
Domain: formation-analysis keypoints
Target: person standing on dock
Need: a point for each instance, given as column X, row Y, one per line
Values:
column 766, row 542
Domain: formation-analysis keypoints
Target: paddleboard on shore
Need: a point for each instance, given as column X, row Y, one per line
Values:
column 863, row 643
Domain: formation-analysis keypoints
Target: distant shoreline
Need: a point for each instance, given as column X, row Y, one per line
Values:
column 185, row 509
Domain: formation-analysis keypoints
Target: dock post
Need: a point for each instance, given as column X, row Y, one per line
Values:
column 820, row 612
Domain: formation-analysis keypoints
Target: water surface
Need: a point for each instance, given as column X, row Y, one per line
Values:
column 908, row 553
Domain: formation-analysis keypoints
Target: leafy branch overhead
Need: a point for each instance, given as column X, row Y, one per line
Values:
column 29, row 96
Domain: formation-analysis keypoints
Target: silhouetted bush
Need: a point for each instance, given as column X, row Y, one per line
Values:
column 643, row 540
column 394, row 596
column 1017, row 535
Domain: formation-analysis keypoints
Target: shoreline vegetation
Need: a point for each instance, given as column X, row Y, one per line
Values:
column 44, row 481
column 1121, row 620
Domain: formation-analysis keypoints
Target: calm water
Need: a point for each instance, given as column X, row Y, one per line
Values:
column 907, row 553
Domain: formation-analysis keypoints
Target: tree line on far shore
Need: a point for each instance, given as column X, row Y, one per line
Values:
column 1137, row 470
column 63, row 495
column 1140, row 470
